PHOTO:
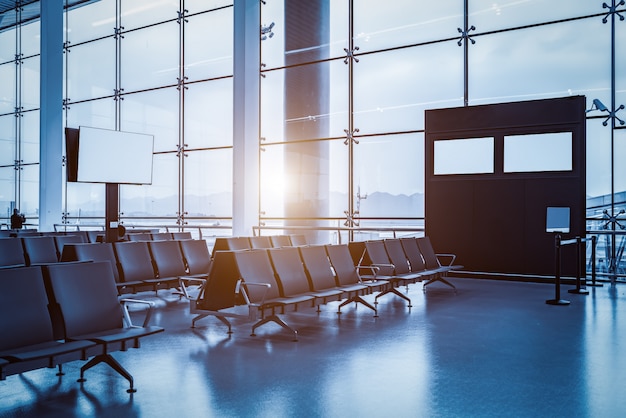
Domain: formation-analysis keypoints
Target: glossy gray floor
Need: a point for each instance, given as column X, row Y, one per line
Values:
column 492, row 349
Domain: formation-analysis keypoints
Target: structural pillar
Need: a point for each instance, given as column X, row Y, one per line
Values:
column 51, row 115
column 246, row 129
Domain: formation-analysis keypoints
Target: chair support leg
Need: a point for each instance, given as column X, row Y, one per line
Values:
column 357, row 299
column 277, row 320
column 111, row 362
column 441, row 279
column 395, row 292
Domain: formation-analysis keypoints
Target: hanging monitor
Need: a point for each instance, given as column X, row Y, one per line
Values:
column 106, row 156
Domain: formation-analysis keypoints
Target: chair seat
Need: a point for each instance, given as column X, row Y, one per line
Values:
column 44, row 350
column 326, row 293
column 117, row 335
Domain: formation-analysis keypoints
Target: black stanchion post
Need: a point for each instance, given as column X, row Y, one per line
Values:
column 557, row 280
column 594, row 243
column 579, row 261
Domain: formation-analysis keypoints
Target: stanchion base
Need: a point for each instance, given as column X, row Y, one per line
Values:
column 557, row 302
column 594, row 285
column 579, row 291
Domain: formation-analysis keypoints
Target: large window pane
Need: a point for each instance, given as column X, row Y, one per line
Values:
column 91, row 70
column 95, row 113
column 155, row 113
column 150, row 57
column 7, row 140
column 487, row 15
column 393, row 89
column 379, row 25
column 30, row 83
column 209, row 114
column 91, row 22
column 158, row 199
column 30, row 43
column 598, row 158
column 318, row 33
column 209, row 55
column 29, row 192
column 7, row 44
column 208, row 183
column 389, row 170
column 543, row 62
column 85, row 200
column 137, row 13
column 30, row 137
column 8, row 100
column 195, row 6
column 317, row 102
column 7, row 193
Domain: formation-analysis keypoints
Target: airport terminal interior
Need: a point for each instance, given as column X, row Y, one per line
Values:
column 389, row 134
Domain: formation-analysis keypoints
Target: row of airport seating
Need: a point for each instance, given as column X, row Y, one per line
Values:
column 136, row 265
column 258, row 285
column 62, row 312
column 98, row 235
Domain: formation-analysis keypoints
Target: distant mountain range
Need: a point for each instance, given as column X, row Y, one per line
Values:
column 377, row 204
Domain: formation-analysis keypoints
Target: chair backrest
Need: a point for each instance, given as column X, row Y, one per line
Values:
column 96, row 252
column 254, row 267
column 426, row 248
column 358, row 253
column 378, row 255
column 220, row 289
column 39, row 250
column 196, row 255
column 86, row 296
column 61, row 240
column 134, row 261
column 167, row 258
column 297, row 240
column 396, row 255
column 341, row 260
column 237, row 243
column 318, row 266
column 93, row 236
column 260, row 241
column 290, row 270
column 11, row 252
column 413, row 253
column 280, row 241
column 177, row 236
column 23, row 308
column 139, row 236
column 161, row 236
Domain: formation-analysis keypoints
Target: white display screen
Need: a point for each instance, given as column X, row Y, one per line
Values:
column 106, row 156
column 464, row 156
column 538, row 152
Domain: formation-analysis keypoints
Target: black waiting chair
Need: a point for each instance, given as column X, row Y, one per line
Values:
column 196, row 255
column 349, row 278
column 181, row 235
column 378, row 259
column 86, row 298
column 39, row 250
column 320, row 272
column 279, row 241
column 260, row 242
column 161, row 236
column 100, row 252
column 11, row 253
column 433, row 262
column 28, row 339
column 135, row 264
column 168, row 260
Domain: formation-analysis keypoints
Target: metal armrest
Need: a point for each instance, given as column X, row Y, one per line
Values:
column 267, row 287
column 182, row 279
column 451, row 256
column 146, row 321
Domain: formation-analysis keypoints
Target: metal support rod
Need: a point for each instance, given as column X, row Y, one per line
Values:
column 557, row 280
column 594, row 242
column 579, row 262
